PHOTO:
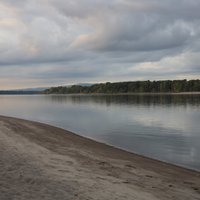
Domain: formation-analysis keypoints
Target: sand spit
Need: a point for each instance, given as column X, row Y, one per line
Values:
column 38, row 161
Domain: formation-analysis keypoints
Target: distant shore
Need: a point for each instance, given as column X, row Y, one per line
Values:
column 129, row 93
column 96, row 94
column 39, row 161
column 164, row 86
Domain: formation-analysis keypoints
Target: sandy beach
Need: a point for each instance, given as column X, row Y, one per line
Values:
column 38, row 161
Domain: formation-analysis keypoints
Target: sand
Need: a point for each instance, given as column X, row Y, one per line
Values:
column 38, row 161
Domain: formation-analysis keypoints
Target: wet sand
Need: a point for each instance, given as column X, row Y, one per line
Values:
column 38, row 161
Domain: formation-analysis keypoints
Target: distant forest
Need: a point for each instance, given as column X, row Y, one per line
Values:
column 17, row 92
column 168, row 86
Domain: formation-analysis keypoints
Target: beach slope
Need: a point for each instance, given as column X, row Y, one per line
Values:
column 38, row 161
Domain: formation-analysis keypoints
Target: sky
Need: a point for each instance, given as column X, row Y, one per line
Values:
column 59, row 42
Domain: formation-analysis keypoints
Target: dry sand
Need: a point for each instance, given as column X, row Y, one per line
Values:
column 38, row 161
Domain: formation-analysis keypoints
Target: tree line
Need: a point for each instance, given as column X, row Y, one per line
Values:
column 167, row 86
column 17, row 92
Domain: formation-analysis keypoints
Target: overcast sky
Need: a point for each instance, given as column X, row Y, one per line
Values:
column 58, row 42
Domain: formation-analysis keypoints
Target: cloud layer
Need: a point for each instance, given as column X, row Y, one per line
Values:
column 55, row 42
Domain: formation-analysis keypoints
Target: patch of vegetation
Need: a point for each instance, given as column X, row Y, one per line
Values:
column 167, row 86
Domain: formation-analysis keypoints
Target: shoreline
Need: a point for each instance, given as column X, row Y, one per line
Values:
column 37, row 158
column 139, row 93
column 108, row 94
column 106, row 144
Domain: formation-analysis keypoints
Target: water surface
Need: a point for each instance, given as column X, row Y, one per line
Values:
column 165, row 127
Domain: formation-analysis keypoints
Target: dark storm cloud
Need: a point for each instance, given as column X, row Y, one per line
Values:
column 99, row 40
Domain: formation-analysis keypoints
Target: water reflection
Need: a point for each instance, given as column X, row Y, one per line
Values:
column 148, row 100
column 165, row 127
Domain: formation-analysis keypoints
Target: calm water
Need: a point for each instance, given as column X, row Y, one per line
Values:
column 165, row 127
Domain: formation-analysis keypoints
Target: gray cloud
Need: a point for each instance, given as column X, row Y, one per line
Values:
column 96, row 40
